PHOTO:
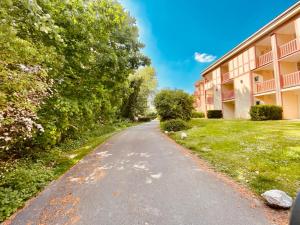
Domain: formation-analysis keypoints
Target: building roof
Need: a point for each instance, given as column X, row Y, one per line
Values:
column 275, row 23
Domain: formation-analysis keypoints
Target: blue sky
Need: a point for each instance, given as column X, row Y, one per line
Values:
column 177, row 32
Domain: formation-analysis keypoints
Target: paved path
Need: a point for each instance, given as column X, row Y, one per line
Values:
column 139, row 177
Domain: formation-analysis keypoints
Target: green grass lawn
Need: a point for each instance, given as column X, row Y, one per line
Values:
column 262, row 155
column 21, row 179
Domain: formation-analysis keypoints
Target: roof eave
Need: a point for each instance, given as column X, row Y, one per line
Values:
column 275, row 23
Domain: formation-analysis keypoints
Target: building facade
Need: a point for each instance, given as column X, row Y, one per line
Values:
column 264, row 69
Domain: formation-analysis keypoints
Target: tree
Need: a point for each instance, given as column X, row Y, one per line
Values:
column 174, row 104
column 76, row 56
column 24, row 82
column 143, row 84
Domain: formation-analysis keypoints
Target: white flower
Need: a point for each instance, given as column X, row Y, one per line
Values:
column 6, row 139
column 40, row 128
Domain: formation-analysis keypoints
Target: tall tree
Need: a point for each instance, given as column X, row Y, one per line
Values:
column 143, row 85
column 84, row 50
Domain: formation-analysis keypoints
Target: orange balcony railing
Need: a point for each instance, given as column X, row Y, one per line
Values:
column 228, row 95
column 289, row 48
column 265, row 86
column 209, row 100
column 225, row 77
column 265, row 59
column 291, row 80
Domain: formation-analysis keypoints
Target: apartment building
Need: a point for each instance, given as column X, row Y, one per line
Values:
column 264, row 69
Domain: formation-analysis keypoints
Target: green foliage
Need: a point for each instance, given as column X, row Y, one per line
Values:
column 174, row 104
column 214, row 114
column 266, row 112
column 143, row 84
column 64, row 68
column 144, row 119
column 198, row 114
column 24, row 79
column 23, row 178
column 262, row 155
column 152, row 115
column 174, row 125
column 21, row 183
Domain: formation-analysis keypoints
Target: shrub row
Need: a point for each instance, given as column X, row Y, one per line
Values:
column 214, row 114
column 144, row 119
column 266, row 112
column 198, row 114
column 174, row 125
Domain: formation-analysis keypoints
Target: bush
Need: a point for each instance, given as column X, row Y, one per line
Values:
column 144, row 119
column 266, row 112
column 198, row 114
column 174, row 104
column 48, row 89
column 152, row 115
column 214, row 114
column 174, row 125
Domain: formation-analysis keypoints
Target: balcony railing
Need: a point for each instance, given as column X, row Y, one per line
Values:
column 225, row 77
column 228, row 95
column 291, row 80
column 209, row 100
column 289, row 48
column 197, row 93
column 209, row 85
column 265, row 59
column 265, row 86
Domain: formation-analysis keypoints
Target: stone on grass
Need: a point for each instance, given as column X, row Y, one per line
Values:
column 183, row 135
column 278, row 199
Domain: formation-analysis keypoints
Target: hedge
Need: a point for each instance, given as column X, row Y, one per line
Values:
column 174, row 125
column 266, row 112
column 214, row 114
column 198, row 114
column 144, row 119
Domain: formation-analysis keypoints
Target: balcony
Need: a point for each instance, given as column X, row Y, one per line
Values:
column 196, row 93
column 209, row 84
column 291, row 80
column 209, row 100
column 226, row 77
column 228, row 95
column 265, row 86
column 265, row 59
column 289, row 48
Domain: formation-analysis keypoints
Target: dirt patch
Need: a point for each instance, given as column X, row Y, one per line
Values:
column 61, row 207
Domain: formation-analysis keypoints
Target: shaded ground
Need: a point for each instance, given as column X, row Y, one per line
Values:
column 140, row 177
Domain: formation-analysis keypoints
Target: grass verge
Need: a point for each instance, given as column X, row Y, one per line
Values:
column 22, row 179
column 262, row 155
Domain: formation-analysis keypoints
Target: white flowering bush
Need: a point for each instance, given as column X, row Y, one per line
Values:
column 24, row 84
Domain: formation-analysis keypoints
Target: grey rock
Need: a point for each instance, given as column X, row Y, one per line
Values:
column 278, row 199
column 183, row 135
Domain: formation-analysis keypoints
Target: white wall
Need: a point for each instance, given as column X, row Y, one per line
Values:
column 243, row 98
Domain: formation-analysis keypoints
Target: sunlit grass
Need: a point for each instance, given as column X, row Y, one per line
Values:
column 263, row 155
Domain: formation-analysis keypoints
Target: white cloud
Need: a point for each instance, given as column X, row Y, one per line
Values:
column 204, row 57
